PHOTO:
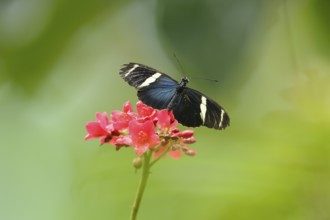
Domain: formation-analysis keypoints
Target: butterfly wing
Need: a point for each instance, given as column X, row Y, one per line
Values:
column 158, row 90
column 194, row 109
column 155, row 89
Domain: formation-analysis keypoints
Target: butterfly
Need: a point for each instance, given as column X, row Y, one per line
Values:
column 158, row 90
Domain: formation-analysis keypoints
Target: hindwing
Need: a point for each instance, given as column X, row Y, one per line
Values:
column 194, row 109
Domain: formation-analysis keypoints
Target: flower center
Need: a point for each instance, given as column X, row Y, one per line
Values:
column 143, row 137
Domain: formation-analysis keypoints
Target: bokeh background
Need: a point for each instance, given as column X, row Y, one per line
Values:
column 59, row 64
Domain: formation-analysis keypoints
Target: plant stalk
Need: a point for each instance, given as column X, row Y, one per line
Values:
column 142, row 185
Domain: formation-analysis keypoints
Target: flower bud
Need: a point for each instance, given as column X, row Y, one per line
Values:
column 190, row 140
column 138, row 162
column 190, row 152
column 186, row 134
column 175, row 130
column 184, row 148
column 175, row 133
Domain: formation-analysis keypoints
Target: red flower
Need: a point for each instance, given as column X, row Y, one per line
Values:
column 102, row 128
column 122, row 118
column 143, row 135
column 145, row 112
column 143, row 130
column 166, row 121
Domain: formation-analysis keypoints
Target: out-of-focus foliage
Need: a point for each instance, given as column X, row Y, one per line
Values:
column 35, row 34
column 216, row 33
column 59, row 64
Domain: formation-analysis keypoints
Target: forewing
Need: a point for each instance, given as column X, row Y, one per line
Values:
column 159, row 94
column 136, row 74
column 155, row 89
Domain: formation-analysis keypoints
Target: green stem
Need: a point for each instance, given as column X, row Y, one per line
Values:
column 142, row 185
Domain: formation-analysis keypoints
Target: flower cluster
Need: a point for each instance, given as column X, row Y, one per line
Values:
column 146, row 129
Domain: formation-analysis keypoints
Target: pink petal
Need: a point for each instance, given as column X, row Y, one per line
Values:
column 143, row 135
column 145, row 111
column 120, row 125
column 94, row 130
column 127, row 107
column 175, row 154
column 164, row 145
column 134, row 127
column 163, row 119
column 116, row 115
column 122, row 141
column 102, row 118
column 88, row 137
column 140, row 150
column 153, row 141
column 149, row 127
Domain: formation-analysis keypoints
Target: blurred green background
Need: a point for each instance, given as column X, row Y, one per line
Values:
column 59, row 64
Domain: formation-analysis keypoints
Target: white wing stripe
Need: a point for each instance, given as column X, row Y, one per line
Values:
column 203, row 108
column 221, row 117
column 131, row 70
column 150, row 80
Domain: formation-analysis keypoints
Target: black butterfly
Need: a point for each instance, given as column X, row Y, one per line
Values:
column 158, row 90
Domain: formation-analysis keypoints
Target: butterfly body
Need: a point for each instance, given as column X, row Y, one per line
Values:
column 158, row 90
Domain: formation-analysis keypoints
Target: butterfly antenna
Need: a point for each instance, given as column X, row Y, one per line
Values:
column 211, row 80
column 178, row 61
column 182, row 71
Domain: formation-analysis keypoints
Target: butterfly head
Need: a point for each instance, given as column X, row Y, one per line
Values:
column 184, row 80
column 182, row 84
